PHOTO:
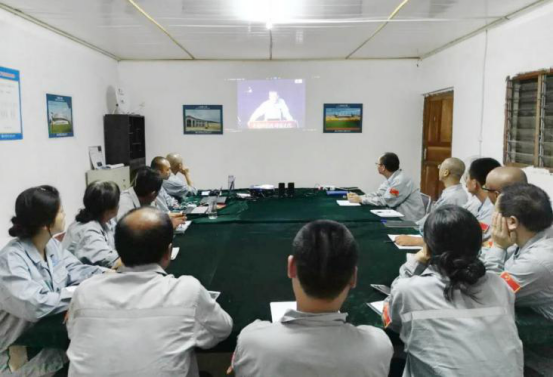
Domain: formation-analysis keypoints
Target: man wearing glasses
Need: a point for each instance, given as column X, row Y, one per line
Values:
column 398, row 191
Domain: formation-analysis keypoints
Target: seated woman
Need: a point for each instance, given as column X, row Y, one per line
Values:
column 90, row 237
column 35, row 273
column 454, row 318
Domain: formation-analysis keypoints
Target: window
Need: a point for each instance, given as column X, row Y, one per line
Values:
column 529, row 120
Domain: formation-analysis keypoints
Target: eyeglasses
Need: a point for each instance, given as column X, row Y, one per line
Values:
column 496, row 192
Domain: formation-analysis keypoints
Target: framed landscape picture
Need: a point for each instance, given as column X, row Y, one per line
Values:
column 343, row 118
column 202, row 119
column 60, row 115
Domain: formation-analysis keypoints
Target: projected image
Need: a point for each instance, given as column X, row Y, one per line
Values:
column 343, row 118
column 203, row 119
column 271, row 104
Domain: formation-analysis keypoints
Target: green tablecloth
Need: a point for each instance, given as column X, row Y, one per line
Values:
column 243, row 254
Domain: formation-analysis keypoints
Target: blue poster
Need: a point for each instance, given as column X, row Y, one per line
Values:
column 11, row 126
column 60, row 115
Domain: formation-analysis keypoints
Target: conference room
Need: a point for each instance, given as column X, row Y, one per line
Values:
column 260, row 188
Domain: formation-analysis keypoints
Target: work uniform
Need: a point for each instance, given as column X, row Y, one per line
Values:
column 312, row 344
column 454, row 195
column 30, row 289
column 127, row 202
column 177, row 188
column 142, row 322
column 92, row 243
column 528, row 269
column 165, row 202
column 465, row 337
column 483, row 213
column 400, row 193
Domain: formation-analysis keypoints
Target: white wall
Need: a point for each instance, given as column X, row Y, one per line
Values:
column 392, row 120
column 520, row 45
column 49, row 63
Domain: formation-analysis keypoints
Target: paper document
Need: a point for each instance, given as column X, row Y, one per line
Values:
column 346, row 203
column 199, row 211
column 393, row 238
column 182, row 227
column 71, row 289
column 386, row 213
column 174, row 253
column 206, row 193
column 279, row 308
column 377, row 306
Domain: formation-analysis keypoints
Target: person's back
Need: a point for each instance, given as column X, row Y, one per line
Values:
column 467, row 336
column 454, row 318
column 157, row 316
column 142, row 321
column 315, row 339
column 309, row 345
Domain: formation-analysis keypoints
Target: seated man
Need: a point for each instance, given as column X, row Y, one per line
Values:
column 315, row 339
column 450, row 173
column 164, row 201
column 174, row 185
column 522, row 250
column 142, row 321
column 501, row 177
column 480, row 204
column 398, row 191
column 145, row 188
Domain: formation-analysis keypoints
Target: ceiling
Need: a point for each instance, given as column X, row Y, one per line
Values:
column 238, row 29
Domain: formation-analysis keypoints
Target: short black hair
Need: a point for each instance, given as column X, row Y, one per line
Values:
column 34, row 208
column 99, row 197
column 481, row 167
column 156, row 162
column 146, row 181
column 453, row 237
column 529, row 204
column 138, row 247
column 390, row 161
column 326, row 256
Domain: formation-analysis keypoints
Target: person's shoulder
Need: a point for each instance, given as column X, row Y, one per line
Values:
column 15, row 249
column 377, row 338
column 256, row 332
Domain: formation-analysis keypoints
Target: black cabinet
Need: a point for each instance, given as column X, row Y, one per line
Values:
column 124, row 140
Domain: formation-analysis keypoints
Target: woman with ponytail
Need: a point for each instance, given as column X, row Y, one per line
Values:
column 35, row 279
column 90, row 237
column 455, row 318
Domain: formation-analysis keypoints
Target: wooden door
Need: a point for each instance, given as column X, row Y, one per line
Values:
column 436, row 143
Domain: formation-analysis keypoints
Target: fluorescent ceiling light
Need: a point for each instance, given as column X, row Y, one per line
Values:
column 268, row 12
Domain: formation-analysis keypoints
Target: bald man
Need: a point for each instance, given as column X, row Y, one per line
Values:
column 164, row 201
column 501, row 177
column 174, row 185
column 450, row 173
column 161, row 318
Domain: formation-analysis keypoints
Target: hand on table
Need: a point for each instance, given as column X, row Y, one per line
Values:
column 354, row 198
column 177, row 218
column 502, row 237
column 409, row 241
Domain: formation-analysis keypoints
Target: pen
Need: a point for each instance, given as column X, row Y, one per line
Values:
column 389, row 241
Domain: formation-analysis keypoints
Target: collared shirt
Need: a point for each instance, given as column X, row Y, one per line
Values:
column 309, row 344
column 531, row 268
column 454, row 195
column 127, row 202
column 142, row 322
column 400, row 193
column 177, row 188
column 32, row 288
column 483, row 213
column 465, row 337
column 92, row 243
column 165, row 202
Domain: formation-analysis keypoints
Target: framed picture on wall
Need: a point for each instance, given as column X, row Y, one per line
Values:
column 59, row 110
column 343, row 118
column 202, row 119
